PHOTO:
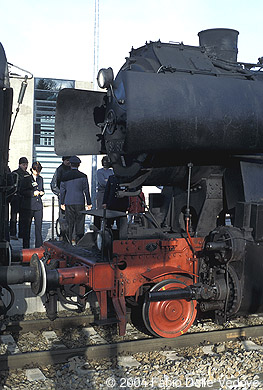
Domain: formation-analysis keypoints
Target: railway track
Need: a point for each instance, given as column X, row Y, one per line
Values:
column 44, row 323
column 105, row 349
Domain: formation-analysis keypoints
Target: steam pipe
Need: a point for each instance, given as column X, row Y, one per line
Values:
column 25, row 255
column 215, row 246
column 214, row 305
column 181, row 293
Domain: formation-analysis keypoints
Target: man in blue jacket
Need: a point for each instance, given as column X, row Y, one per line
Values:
column 74, row 190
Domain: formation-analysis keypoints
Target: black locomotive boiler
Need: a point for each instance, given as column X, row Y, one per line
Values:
column 189, row 119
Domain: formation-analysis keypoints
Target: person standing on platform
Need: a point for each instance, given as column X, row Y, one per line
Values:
column 18, row 176
column 103, row 175
column 32, row 190
column 74, row 190
column 58, row 175
column 55, row 188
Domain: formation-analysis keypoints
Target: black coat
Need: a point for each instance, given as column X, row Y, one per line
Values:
column 16, row 178
column 28, row 186
column 20, row 173
column 58, row 178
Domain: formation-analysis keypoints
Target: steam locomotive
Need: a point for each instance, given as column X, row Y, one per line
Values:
column 189, row 119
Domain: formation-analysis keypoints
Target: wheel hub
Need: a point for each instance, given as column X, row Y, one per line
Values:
column 169, row 318
column 173, row 310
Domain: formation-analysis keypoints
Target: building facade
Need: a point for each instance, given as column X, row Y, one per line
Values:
column 33, row 130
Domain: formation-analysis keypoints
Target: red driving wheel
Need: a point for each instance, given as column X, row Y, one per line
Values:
column 169, row 318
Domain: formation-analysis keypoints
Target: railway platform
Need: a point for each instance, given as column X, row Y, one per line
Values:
column 46, row 229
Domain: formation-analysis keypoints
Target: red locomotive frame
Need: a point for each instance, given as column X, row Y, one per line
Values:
column 169, row 264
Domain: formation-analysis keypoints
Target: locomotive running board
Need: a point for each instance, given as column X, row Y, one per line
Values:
column 75, row 129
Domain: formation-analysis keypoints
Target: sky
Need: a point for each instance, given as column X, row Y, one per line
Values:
column 55, row 38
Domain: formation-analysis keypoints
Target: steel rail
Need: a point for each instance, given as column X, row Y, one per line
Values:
column 25, row 326
column 108, row 350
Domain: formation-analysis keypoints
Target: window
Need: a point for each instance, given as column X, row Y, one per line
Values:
column 45, row 96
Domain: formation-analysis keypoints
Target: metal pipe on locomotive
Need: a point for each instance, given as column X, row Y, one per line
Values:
column 188, row 118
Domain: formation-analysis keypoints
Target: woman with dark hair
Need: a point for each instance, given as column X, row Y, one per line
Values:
column 32, row 189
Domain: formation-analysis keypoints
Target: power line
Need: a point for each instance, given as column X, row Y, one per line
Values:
column 96, row 42
column 95, row 87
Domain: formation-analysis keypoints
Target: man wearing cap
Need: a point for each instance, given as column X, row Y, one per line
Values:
column 59, row 173
column 18, row 176
column 55, row 184
column 74, row 189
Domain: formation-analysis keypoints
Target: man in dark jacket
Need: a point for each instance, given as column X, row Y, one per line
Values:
column 103, row 175
column 55, row 183
column 74, row 189
column 59, row 173
column 18, row 176
column 32, row 190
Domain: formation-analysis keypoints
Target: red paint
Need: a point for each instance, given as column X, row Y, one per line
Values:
column 136, row 263
column 28, row 253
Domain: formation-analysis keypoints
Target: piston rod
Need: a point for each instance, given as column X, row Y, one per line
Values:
column 168, row 295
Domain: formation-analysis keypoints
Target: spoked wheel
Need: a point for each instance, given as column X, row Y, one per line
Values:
column 169, row 318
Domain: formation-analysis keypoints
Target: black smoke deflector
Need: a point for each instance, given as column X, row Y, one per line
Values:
column 75, row 128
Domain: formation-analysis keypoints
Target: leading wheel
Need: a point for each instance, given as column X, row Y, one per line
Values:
column 169, row 318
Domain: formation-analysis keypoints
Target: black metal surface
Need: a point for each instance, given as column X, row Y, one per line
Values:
column 37, row 282
column 107, row 321
column 192, row 113
column 169, row 104
column 4, row 82
column 16, row 274
column 256, row 219
column 75, row 127
column 220, row 42
column 108, row 213
column 92, row 254
column 183, row 293
column 174, row 94
column 6, row 182
column 6, row 99
column 252, row 301
column 16, row 255
column 243, row 182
